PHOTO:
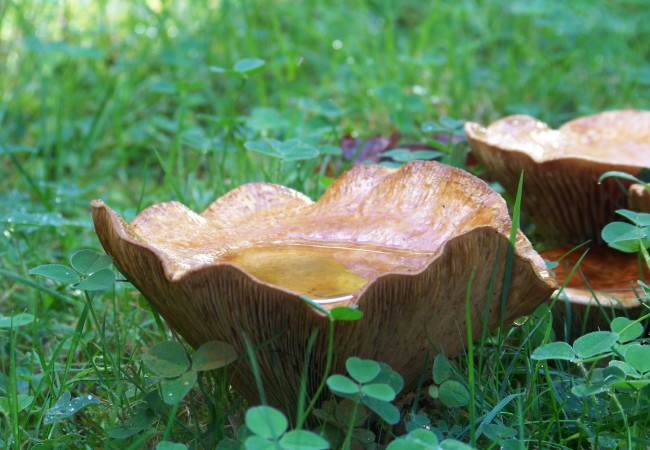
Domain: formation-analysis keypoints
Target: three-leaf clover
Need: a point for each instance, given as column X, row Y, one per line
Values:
column 89, row 271
column 269, row 427
column 372, row 383
column 179, row 373
column 451, row 392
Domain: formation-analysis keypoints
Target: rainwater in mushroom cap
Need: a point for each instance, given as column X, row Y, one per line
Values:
column 399, row 244
column 561, row 167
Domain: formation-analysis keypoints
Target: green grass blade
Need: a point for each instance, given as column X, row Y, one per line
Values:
column 470, row 358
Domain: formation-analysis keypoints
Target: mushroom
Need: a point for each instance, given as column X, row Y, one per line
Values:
column 399, row 244
column 562, row 194
column 561, row 167
column 603, row 286
column 639, row 198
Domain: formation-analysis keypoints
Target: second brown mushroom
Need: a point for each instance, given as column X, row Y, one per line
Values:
column 564, row 197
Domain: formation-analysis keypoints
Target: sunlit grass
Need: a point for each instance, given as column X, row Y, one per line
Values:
column 117, row 100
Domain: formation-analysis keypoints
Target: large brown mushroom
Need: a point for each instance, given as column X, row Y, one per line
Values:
column 399, row 244
column 562, row 167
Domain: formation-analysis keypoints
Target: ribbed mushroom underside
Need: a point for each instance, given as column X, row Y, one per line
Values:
column 420, row 209
column 562, row 167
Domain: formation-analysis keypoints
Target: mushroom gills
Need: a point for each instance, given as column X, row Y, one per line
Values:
column 326, row 273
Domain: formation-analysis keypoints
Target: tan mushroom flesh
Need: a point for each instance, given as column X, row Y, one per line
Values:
column 604, row 285
column 561, row 167
column 399, row 244
column 639, row 198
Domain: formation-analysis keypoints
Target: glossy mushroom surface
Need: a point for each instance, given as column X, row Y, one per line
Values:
column 399, row 244
column 562, row 167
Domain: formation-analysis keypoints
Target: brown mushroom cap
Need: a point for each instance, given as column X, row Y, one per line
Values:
column 639, row 198
column 611, row 284
column 399, row 244
column 561, row 167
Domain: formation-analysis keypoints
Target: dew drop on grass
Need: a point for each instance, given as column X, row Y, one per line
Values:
column 427, row 127
column 419, row 90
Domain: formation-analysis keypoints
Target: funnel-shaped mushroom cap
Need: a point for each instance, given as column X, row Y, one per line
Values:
column 398, row 244
column 603, row 285
column 561, row 167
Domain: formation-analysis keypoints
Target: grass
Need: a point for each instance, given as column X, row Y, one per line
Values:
column 117, row 100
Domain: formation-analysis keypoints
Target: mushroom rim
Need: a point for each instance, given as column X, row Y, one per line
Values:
column 526, row 254
column 477, row 133
column 620, row 299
